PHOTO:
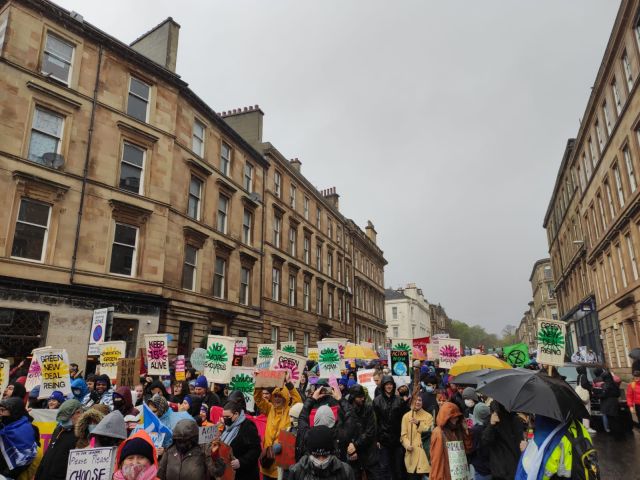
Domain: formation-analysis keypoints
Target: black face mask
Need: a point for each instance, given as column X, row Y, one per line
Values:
column 228, row 421
column 107, row 441
column 183, row 446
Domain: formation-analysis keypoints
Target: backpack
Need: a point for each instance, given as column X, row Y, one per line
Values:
column 584, row 464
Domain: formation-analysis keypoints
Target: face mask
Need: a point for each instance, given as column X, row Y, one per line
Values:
column 131, row 472
column 469, row 403
column 319, row 464
column 183, row 447
column 76, row 392
column 429, row 389
column 66, row 424
column 228, row 421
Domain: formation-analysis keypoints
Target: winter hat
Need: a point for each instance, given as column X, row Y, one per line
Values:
column 356, row 391
column 104, row 378
column 481, row 413
column 185, row 430
column 295, row 409
column 15, row 407
column 67, row 409
column 320, row 441
column 112, row 426
column 58, row 396
column 202, row 382
column 187, row 398
column 137, row 446
column 469, row 393
column 35, row 392
column 351, row 383
column 324, row 416
column 160, row 403
column 343, row 381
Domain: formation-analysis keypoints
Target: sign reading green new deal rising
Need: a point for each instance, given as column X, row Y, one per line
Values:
column 551, row 342
column 219, row 359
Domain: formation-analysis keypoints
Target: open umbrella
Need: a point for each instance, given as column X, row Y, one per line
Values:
column 358, row 351
column 526, row 391
column 477, row 362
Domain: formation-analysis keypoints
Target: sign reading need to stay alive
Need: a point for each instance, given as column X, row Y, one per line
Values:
column 157, row 354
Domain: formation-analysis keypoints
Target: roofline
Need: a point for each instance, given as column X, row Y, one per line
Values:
column 568, row 150
column 536, row 264
column 166, row 20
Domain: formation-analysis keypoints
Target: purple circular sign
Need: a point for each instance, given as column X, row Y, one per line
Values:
column 97, row 333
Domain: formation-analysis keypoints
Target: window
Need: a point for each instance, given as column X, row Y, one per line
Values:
column 330, row 264
column 318, row 217
column 57, row 58
column 319, row 258
column 347, row 313
column 612, row 210
column 329, row 229
column 305, row 206
column 138, row 103
column 601, row 209
column 595, row 222
column 3, row 31
column 219, row 277
column 132, row 168
column 293, row 236
column 339, row 270
column 277, row 184
column 626, row 65
column 395, row 332
column 223, row 213
column 247, row 221
column 632, row 256
column 319, row 299
column 123, row 251
column 587, row 168
column 616, row 96
column 195, row 196
column 307, row 249
column 275, row 284
column 245, row 281
column 292, row 196
column 305, row 343
column 623, row 271
column 292, row 290
column 189, row 268
column 225, row 158
column 612, row 271
column 340, row 306
column 32, row 229
column 631, row 174
column 291, row 336
column 592, row 154
column 277, row 231
column 248, row 177
column 394, row 313
column 275, row 334
column 46, row 134
column 599, row 136
column 330, row 304
column 637, row 31
column 339, row 236
column 618, row 180
column 607, row 118
column 306, row 295
column 197, row 143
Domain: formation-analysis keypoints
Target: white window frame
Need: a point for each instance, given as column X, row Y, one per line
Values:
column 193, row 266
column 146, row 100
column 293, row 240
column 319, row 258
column 306, row 296
column 247, row 228
column 319, row 299
column 601, row 209
column 57, row 57
column 3, row 30
column 220, row 276
column 618, row 179
column 623, row 270
column 134, row 260
column 306, row 208
column 614, row 281
column 292, row 290
column 45, row 238
column 225, row 158
column 318, row 218
column 277, row 231
column 330, row 304
column 197, row 139
column 292, row 196
column 612, row 209
column 599, row 136
column 632, row 256
column 628, row 73
column 275, row 334
column 133, row 165
column 291, row 335
column 248, row 177
column 617, row 99
column 41, row 132
column 276, row 277
column 277, row 183
column 305, row 343
column 340, row 307
column 607, row 117
column 244, row 300
column 592, row 153
column 222, row 215
column 631, row 172
column 307, row 249
column 197, row 199
column 330, row 264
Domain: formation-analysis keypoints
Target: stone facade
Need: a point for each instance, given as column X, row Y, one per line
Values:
column 407, row 312
column 544, row 301
column 440, row 321
column 527, row 330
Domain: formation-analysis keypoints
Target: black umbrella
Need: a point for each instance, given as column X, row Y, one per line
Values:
column 530, row 392
column 473, row 378
column 635, row 353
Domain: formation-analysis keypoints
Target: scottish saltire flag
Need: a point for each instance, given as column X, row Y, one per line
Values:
column 17, row 443
column 152, row 424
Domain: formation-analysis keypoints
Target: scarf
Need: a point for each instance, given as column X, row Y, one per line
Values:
column 537, row 454
column 232, row 430
column 17, row 443
column 148, row 473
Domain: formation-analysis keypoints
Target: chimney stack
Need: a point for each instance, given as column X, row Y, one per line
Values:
column 371, row 232
column 296, row 164
column 332, row 197
column 247, row 121
column 160, row 44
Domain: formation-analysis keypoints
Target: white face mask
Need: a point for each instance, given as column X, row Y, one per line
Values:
column 469, row 403
column 320, row 464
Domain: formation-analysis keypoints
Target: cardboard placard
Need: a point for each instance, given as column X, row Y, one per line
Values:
column 313, row 354
column 292, row 362
column 401, row 344
column 98, row 330
column 34, row 375
column 180, row 368
column 208, row 434
column 128, row 372
column 110, row 352
column 91, row 463
column 516, row 355
column 266, row 352
column 242, row 379
column 54, row 363
column 448, row 351
column 287, row 455
column 458, row 466
column 289, row 347
column 157, row 347
column 329, row 359
column 217, row 366
column 551, row 342
column 400, row 362
column 269, row 378
column 4, row 373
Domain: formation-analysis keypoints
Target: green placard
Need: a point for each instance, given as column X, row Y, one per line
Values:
column 516, row 355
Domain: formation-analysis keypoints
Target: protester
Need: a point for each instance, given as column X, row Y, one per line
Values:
column 160, row 407
column 139, row 389
column 185, row 459
column 237, row 397
column 450, row 428
column 79, row 389
column 470, row 398
column 219, row 389
column 34, row 401
column 609, row 403
column 74, row 372
column 304, row 383
column 362, row 451
column 156, row 387
column 502, row 438
column 104, row 390
column 583, row 384
column 19, row 439
column 110, row 432
column 15, row 389
column 132, row 422
column 55, row 400
column 242, row 436
column 123, row 403
column 479, row 454
column 321, row 462
column 54, row 462
column 137, row 459
column 208, row 397
column 376, row 380
column 294, row 416
column 91, row 382
column 633, row 395
column 429, row 400
column 85, row 425
column 179, row 390
column 415, row 424
column 389, row 409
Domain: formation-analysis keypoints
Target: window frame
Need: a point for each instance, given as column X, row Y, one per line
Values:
column 277, row 230
column 277, row 183
column 134, row 260
column 632, row 256
column 293, row 241
column 245, row 287
column 631, row 171
column 247, row 178
column 225, row 161
column 305, row 207
column 223, row 216
column 276, row 284
column 247, row 229
column 293, row 194
column 61, row 39
column 306, row 295
column 147, row 100
column 45, row 237
column 195, row 137
column 219, row 279
column 197, row 199
column 291, row 297
column 194, row 266
column 49, row 111
column 134, row 166
column 628, row 71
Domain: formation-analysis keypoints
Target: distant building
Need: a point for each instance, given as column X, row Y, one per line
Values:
column 527, row 330
column 544, row 301
column 408, row 313
column 440, row 322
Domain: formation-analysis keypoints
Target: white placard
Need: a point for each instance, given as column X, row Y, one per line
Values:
column 217, row 366
column 365, row 378
column 98, row 330
column 207, row 434
column 448, row 352
column 243, row 380
column 551, row 342
column 266, row 352
column 5, row 367
column 110, row 352
column 329, row 359
column 54, row 365
column 157, row 347
column 292, row 362
column 91, row 463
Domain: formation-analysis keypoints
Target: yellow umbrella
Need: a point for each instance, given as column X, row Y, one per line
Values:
column 360, row 352
column 477, row 362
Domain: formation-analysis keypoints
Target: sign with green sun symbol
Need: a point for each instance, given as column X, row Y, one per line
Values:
column 551, row 342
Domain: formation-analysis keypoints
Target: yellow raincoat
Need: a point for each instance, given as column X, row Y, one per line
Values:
column 411, row 436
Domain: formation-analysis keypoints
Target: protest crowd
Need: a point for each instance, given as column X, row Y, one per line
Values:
column 298, row 418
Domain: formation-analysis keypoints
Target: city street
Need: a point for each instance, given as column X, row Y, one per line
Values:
column 619, row 458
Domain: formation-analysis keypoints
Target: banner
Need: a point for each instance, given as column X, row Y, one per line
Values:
column 54, row 364
column 448, row 351
column 198, row 357
column 110, row 352
column 241, row 346
column 217, row 366
column 292, row 362
column 46, row 422
column 516, row 355
column 421, row 344
column 180, row 368
column 34, row 375
column 266, row 352
column 5, row 368
column 433, row 349
column 91, row 463
column 551, row 342
column 365, row 378
column 289, row 347
column 400, row 362
column 128, row 373
column 313, row 354
column 157, row 354
column 98, row 330
column 242, row 380
column 342, row 344
column 329, row 359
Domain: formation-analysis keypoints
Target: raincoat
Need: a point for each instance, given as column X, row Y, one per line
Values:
column 633, row 394
column 440, row 469
column 411, row 436
column 90, row 417
column 150, row 472
column 81, row 385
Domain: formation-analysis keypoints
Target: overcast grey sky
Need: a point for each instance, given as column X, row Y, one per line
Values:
column 442, row 122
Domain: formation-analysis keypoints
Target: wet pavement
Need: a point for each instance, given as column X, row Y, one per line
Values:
column 619, row 457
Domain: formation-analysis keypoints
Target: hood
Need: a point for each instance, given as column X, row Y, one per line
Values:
column 90, row 417
column 125, row 394
column 144, row 436
column 79, row 383
column 196, row 405
column 185, row 430
column 447, row 412
column 16, row 409
column 387, row 379
column 324, row 416
column 237, row 397
column 284, row 393
column 157, row 384
column 112, row 426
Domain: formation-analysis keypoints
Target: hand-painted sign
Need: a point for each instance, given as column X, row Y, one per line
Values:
column 54, row 363
column 241, row 346
column 242, row 379
column 400, row 362
column 289, row 347
column 269, row 378
column 516, row 355
column 287, row 455
column 91, row 463
column 292, row 362
column 449, row 351
column 110, row 352
column 4, row 373
column 266, row 352
column 128, row 372
column 313, row 354
column 180, row 368
column 98, row 329
column 421, row 344
column 329, row 359
column 217, row 366
column 551, row 342
column 157, row 354
column 198, row 358
column 365, row 378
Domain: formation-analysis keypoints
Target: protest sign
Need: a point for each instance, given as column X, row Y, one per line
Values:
column 421, row 344
column 128, row 372
column 225, row 453
column 289, row 347
column 342, row 344
column 198, row 357
column 91, row 463
column 217, row 366
column 4, row 373
column 243, row 381
column 551, row 342
column 54, row 364
column 516, row 355
column 399, row 362
column 34, row 374
column 365, row 378
column 433, row 349
column 368, row 345
column 458, row 466
column 241, row 346
column 329, row 359
column 287, row 455
column 98, row 329
column 157, row 354
column 440, row 335
column 110, row 352
column 266, row 352
column 401, row 344
column 208, row 434
column 269, row 378
column 180, row 368
column 313, row 354
column 448, row 351
column 292, row 362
